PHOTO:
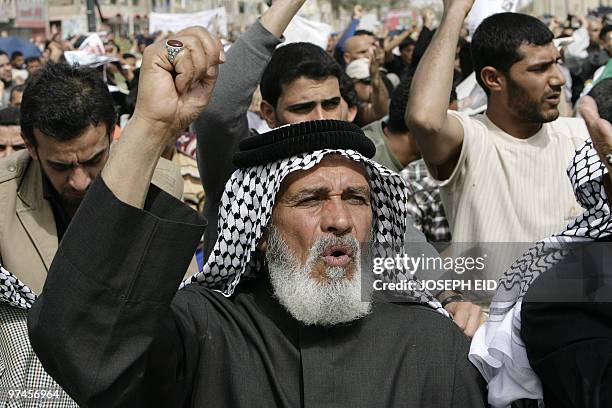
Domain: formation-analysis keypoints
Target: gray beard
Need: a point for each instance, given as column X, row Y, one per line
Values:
column 308, row 300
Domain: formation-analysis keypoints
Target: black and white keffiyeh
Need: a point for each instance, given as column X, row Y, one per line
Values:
column 497, row 348
column 246, row 209
column 13, row 292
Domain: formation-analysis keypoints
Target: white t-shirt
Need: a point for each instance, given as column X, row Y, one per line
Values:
column 505, row 189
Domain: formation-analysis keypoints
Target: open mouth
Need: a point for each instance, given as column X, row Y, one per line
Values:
column 337, row 255
column 554, row 99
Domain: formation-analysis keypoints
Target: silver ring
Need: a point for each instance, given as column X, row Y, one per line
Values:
column 173, row 47
column 609, row 158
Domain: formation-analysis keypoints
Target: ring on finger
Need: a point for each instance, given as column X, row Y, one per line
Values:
column 173, row 48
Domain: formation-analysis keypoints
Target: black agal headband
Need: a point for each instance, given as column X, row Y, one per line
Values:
column 305, row 137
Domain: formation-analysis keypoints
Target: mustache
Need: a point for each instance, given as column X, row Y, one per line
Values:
column 323, row 244
column 553, row 92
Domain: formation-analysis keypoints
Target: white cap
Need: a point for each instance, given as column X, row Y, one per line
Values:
column 358, row 69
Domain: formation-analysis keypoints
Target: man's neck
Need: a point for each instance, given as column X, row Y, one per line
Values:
column 511, row 124
column 402, row 145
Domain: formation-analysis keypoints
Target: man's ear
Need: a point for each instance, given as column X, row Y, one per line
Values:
column 262, row 245
column 347, row 58
column 493, row 79
column 269, row 114
column 30, row 147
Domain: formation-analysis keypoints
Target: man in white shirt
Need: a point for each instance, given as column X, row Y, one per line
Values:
column 502, row 174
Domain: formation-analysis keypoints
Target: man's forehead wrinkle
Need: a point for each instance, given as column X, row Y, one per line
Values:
column 324, row 190
column 60, row 155
column 301, row 90
column 540, row 53
column 81, row 153
column 309, row 101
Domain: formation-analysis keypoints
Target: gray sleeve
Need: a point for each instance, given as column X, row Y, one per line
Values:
column 224, row 122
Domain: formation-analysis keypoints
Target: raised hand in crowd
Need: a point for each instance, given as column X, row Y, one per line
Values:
column 172, row 93
column 357, row 11
column 450, row 5
column 601, row 135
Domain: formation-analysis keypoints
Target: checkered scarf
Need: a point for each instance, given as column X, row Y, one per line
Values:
column 246, row 208
column 585, row 173
column 13, row 292
column 497, row 348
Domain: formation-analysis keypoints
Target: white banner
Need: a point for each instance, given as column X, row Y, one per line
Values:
column 91, row 53
column 214, row 21
column 303, row 30
column 369, row 22
column 485, row 8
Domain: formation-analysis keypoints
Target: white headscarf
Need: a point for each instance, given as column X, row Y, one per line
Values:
column 246, row 208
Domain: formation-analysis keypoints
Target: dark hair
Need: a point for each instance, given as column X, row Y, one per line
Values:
column 3, row 53
column 347, row 90
column 112, row 43
column 496, row 41
column 407, row 42
column 293, row 61
column 363, row 32
column 16, row 54
column 453, row 95
column 31, row 59
column 397, row 107
column 17, row 88
column 128, row 55
column 602, row 93
column 62, row 100
column 604, row 31
column 465, row 59
column 9, row 116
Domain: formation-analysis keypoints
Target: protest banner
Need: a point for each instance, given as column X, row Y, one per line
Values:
column 215, row 21
column 485, row 8
column 90, row 53
column 303, row 30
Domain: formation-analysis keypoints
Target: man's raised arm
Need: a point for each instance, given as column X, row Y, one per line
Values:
column 438, row 134
column 224, row 123
column 103, row 326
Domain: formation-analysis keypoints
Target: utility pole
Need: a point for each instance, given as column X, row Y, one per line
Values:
column 91, row 16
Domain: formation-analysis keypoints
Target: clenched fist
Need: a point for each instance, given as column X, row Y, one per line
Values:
column 172, row 95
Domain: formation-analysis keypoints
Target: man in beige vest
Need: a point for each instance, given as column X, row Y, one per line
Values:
column 67, row 118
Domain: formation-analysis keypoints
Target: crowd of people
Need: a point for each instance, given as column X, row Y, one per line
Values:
column 258, row 178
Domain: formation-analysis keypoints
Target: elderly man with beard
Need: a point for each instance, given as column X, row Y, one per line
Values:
column 276, row 316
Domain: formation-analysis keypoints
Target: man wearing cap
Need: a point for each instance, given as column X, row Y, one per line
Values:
column 276, row 317
column 358, row 46
column 372, row 93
